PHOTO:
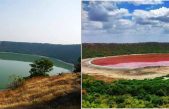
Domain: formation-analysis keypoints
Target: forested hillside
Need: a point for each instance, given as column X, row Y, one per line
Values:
column 110, row 49
column 67, row 53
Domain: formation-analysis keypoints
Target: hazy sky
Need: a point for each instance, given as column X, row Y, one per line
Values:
column 45, row 21
column 125, row 21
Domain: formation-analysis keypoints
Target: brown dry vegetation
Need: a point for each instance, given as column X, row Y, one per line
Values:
column 104, row 78
column 39, row 92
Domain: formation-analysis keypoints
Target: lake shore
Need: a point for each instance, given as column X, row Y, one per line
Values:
column 140, row 74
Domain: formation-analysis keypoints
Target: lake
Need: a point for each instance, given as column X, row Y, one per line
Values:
column 21, row 68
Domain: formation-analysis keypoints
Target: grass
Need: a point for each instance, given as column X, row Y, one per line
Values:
column 38, row 91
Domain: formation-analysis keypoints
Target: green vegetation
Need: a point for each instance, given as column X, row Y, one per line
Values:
column 126, row 93
column 67, row 53
column 41, row 67
column 32, row 58
column 146, row 93
column 17, row 81
column 100, row 50
column 38, row 68
column 78, row 66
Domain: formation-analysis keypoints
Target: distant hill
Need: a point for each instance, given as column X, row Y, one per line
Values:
column 110, row 49
column 67, row 53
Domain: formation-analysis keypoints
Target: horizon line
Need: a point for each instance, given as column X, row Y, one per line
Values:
column 43, row 42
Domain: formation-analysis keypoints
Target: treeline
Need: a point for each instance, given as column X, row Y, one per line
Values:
column 67, row 53
column 148, row 93
column 110, row 49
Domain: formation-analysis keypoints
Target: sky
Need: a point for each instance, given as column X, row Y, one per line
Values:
column 42, row 21
column 125, row 21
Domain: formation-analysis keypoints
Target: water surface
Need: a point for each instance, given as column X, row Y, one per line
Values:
column 11, row 67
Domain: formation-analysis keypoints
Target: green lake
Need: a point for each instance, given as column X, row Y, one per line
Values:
column 18, row 64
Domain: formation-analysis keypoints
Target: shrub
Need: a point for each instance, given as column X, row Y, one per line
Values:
column 60, row 74
column 126, row 93
column 16, row 82
column 41, row 67
column 78, row 66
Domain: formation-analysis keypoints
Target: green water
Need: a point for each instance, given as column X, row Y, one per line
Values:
column 31, row 58
column 11, row 64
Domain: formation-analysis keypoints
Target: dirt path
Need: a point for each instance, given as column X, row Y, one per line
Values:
column 141, row 73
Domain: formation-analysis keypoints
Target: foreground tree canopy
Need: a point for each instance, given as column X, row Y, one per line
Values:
column 41, row 67
column 148, row 93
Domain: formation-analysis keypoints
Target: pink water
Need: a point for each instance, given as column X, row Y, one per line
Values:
column 134, row 65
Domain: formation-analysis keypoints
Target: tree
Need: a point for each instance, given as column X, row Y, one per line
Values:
column 78, row 66
column 41, row 67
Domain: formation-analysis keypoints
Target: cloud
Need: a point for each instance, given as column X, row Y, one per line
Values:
column 108, row 20
column 104, row 17
column 102, row 14
column 155, row 18
column 96, row 15
column 146, row 2
column 118, row 13
column 157, row 13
